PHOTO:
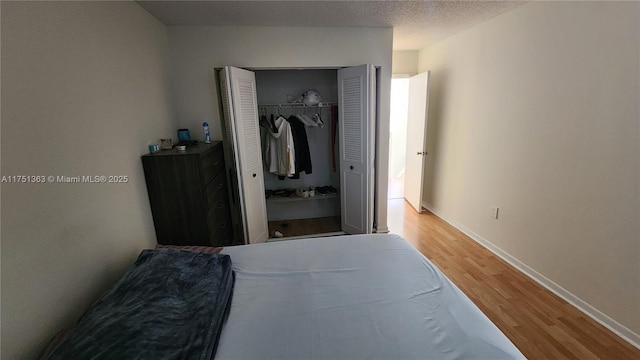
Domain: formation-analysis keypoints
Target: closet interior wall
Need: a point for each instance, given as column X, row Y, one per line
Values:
column 277, row 87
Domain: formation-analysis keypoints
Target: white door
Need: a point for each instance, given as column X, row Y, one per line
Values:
column 241, row 115
column 357, row 114
column 416, row 139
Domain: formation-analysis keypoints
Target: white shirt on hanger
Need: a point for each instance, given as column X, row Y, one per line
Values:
column 279, row 149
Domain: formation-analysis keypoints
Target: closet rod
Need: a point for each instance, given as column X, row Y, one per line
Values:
column 294, row 105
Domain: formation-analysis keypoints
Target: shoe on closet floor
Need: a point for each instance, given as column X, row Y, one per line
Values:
column 325, row 190
column 303, row 193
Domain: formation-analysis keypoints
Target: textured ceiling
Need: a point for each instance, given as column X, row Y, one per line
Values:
column 416, row 24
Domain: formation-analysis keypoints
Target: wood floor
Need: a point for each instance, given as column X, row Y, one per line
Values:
column 539, row 323
column 395, row 189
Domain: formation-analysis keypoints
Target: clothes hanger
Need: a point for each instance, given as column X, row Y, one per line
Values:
column 305, row 119
column 272, row 124
column 280, row 114
column 318, row 120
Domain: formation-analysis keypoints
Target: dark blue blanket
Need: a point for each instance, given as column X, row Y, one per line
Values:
column 171, row 305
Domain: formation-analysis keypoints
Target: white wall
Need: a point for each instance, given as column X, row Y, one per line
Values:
column 537, row 112
column 405, row 62
column 196, row 50
column 84, row 88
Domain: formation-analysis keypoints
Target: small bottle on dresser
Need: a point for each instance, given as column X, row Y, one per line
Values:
column 207, row 134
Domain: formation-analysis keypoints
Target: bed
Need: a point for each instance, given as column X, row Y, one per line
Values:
column 348, row 297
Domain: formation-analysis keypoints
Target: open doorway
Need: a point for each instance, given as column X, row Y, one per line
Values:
column 398, row 136
column 408, row 134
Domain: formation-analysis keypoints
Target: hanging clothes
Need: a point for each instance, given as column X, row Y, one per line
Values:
column 334, row 130
column 301, row 144
column 268, row 123
column 279, row 149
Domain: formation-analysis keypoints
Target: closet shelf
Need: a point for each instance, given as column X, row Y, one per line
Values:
column 278, row 199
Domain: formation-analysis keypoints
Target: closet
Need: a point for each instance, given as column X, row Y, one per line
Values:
column 341, row 171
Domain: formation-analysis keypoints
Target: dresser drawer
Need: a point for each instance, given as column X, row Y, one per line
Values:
column 219, row 224
column 216, row 192
column 221, row 234
column 212, row 165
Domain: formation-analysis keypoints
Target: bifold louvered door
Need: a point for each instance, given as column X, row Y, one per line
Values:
column 241, row 130
column 357, row 114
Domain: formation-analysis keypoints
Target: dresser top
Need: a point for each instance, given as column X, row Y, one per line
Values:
column 198, row 149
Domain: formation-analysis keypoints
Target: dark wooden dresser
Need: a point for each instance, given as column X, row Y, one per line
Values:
column 188, row 195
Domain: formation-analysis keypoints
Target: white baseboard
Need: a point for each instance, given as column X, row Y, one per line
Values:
column 597, row 315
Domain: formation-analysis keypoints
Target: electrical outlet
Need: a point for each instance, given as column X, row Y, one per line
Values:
column 494, row 212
